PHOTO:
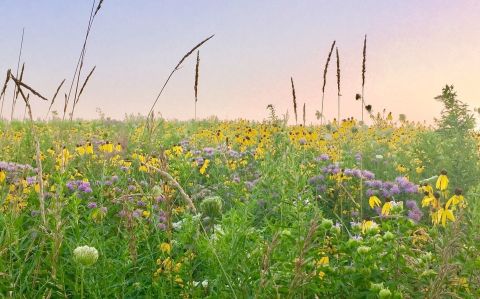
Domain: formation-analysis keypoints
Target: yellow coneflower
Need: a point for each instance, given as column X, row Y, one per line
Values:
column 323, row 261
column 369, row 225
column 374, row 201
column 427, row 188
column 386, row 208
column 443, row 214
column 3, row 176
column 442, row 181
column 456, row 199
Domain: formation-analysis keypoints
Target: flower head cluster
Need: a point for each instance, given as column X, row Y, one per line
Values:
column 79, row 185
column 85, row 255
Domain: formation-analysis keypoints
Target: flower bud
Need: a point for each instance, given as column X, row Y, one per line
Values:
column 384, row 293
column 85, row 255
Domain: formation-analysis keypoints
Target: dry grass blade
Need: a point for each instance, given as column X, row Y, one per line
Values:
column 325, row 79
column 338, row 85
column 363, row 71
column 98, row 7
column 20, row 83
column 85, row 83
column 14, row 100
column 338, row 71
column 6, row 82
column 81, row 58
column 21, row 78
column 294, row 100
column 53, row 99
column 304, row 115
column 196, row 76
column 326, row 67
column 175, row 69
column 364, row 60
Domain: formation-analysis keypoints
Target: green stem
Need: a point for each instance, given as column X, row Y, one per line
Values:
column 81, row 282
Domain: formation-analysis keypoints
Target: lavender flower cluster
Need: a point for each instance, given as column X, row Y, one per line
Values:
column 401, row 185
column 78, row 185
column 414, row 212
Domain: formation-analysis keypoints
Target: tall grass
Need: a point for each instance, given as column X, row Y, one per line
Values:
column 325, row 69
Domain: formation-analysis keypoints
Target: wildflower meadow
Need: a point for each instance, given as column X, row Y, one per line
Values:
column 376, row 206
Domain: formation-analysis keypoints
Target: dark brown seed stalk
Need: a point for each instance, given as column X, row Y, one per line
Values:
column 84, row 84
column 304, row 115
column 326, row 67
column 53, row 99
column 325, row 80
column 21, row 84
column 175, row 69
column 363, row 71
column 196, row 76
column 338, row 84
column 294, row 100
column 21, row 78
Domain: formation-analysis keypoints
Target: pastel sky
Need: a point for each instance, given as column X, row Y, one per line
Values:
column 414, row 48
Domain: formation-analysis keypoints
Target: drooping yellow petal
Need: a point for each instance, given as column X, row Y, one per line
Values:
column 442, row 182
column 386, row 208
column 374, row 201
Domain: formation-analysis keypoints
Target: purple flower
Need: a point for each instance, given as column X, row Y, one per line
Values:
column 368, row 174
column 395, row 190
column 411, row 204
column 115, row 178
column 209, row 151
column 162, row 226
column 160, row 199
column 371, row 192
column 358, row 156
column 141, row 203
column 131, row 188
column 92, row 205
column 104, row 210
column 316, row 179
column 348, row 172
column 415, row 215
column 324, row 157
column 321, row 188
column 302, row 141
column 31, row 180
column 70, row 185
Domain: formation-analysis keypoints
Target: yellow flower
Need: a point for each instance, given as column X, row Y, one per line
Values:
column 146, row 214
column 323, row 261
column 165, row 247
column 368, row 225
column 143, row 168
column 419, row 169
column 3, row 176
column 401, row 168
column 386, row 208
column 456, row 199
column 374, row 201
column 442, row 181
column 203, row 169
column 321, row 274
column 118, row 147
column 428, row 200
column 443, row 214
column 428, row 189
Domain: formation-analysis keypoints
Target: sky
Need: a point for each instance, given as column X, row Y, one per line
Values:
column 414, row 48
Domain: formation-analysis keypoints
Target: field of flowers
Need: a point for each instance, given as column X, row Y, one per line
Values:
column 240, row 209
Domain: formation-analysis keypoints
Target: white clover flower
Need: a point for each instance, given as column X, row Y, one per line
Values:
column 379, row 157
column 85, row 255
column 205, row 283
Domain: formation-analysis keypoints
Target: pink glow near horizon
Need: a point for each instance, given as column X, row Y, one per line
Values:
column 413, row 50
